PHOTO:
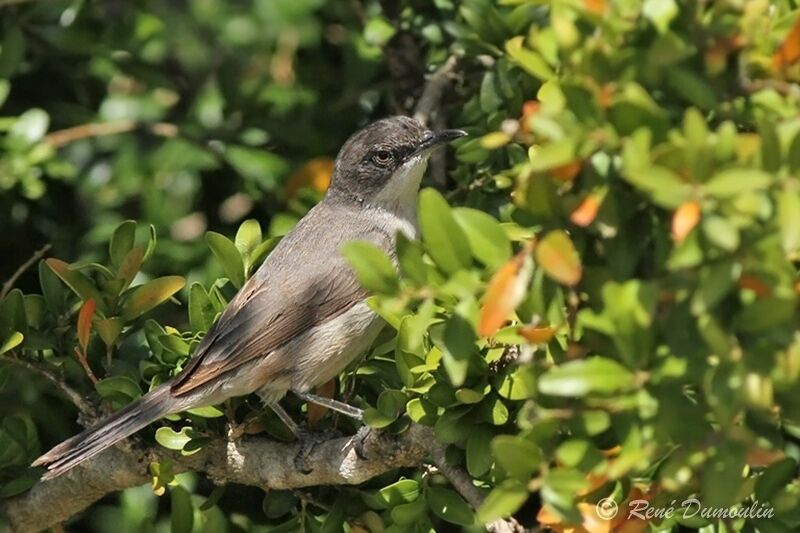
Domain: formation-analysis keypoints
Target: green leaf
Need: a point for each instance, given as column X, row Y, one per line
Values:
column 208, row 411
column 519, row 457
column 171, row 439
column 52, row 290
column 228, row 255
column 77, row 281
column 248, row 237
column 376, row 419
column 122, row 241
column 775, row 477
column 119, row 389
column 109, row 329
column 143, row 298
column 373, row 267
column 504, row 500
column 399, row 492
column 530, row 61
column 11, row 342
column 479, row 456
column 551, row 155
column 407, row 514
column 391, row 403
column 586, row 376
column 444, row 240
column 201, row 311
column 789, row 219
column 449, row 506
column 457, row 343
column 721, row 232
column 30, row 126
column 663, row 186
column 660, row 13
column 691, row 87
column 736, row 181
column 182, row 511
column 520, row 384
column 487, row 240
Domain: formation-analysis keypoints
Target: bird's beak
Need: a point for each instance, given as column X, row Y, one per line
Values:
column 435, row 139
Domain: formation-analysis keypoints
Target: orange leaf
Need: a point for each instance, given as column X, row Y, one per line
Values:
column 316, row 175
column 753, row 283
column 537, row 335
column 504, row 293
column 566, row 172
column 529, row 109
column 557, row 256
column 761, row 457
column 789, row 50
column 586, row 212
column 598, row 7
column 85, row 323
column 684, row 220
column 316, row 412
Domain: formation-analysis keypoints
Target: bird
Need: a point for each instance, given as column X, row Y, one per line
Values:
column 302, row 317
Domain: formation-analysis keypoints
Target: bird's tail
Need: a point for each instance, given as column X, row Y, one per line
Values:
column 120, row 424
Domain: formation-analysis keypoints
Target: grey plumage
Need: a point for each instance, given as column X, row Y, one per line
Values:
column 301, row 318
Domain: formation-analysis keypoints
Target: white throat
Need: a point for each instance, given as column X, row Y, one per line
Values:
column 399, row 195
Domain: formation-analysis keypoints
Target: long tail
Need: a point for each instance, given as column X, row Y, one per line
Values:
column 109, row 431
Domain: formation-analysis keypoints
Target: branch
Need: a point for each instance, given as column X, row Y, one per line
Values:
column 433, row 91
column 8, row 285
column 71, row 394
column 60, row 138
column 255, row 462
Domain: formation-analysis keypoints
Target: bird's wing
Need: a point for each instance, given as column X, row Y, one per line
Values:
column 274, row 306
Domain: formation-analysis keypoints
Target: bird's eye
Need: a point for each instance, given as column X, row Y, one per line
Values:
column 382, row 157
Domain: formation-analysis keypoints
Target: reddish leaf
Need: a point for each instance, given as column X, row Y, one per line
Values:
column 586, row 212
column 529, row 109
column 557, row 256
column 316, row 175
column 504, row 293
column 753, row 283
column 537, row 335
column 789, row 50
column 566, row 172
column 85, row 323
column 598, row 7
column 684, row 220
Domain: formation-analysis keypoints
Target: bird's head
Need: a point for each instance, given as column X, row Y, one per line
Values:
column 383, row 163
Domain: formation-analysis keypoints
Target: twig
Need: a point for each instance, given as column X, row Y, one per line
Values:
column 63, row 137
column 432, row 94
column 71, row 394
column 84, row 361
column 8, row 285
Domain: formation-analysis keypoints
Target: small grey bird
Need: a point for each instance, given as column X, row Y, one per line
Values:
column 302, row 317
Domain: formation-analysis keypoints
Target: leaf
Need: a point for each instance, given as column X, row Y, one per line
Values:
column 537, row 335
column 479, row 456
column 120, row 389
column 553, row 155
column 519, row 457
column 586, row 212
column 122, row 241
column 373, row 267
column 181, row 512
column 314, row 175
column 558, row 257
column 487, row 240
column 586, row 376
column 449, row 506
column 504, row 500
column 78, row 282
column 660, row 13
column 143, row 298
column 85, row 323
column 11, row 342
column 736, row 181
column 109, row 329
column 505, row 292
column 789, row 220
column 228, row 256
column 458, row 346
column 775, row 478
column 30, row 126
column 52, row 289
column 684, row 220
column 130, row 265
column 530, row 61
column 691, row 87
column 248, row 237
column 201, row 310
column 171, row 439
column 402, row 491
column 789, row 51
column 444, row 240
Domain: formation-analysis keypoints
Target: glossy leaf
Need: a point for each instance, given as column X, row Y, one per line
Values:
column 557, row 256
column 143, row 298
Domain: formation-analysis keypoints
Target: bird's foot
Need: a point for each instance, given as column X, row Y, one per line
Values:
column 309, row 440
column 359, row 440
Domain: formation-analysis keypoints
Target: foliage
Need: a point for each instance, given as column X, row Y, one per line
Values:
column 602, row 303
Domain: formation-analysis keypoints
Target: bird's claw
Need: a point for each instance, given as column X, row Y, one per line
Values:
column 359, row 441
column 309, row 440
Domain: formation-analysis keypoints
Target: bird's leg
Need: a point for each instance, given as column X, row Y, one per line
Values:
column 296, row 430
column 339, row 407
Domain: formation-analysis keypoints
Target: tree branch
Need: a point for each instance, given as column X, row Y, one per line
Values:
column 432, row 94
column 68, row 392
column 255, row 462
column 60, row 138
column 9, row 284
